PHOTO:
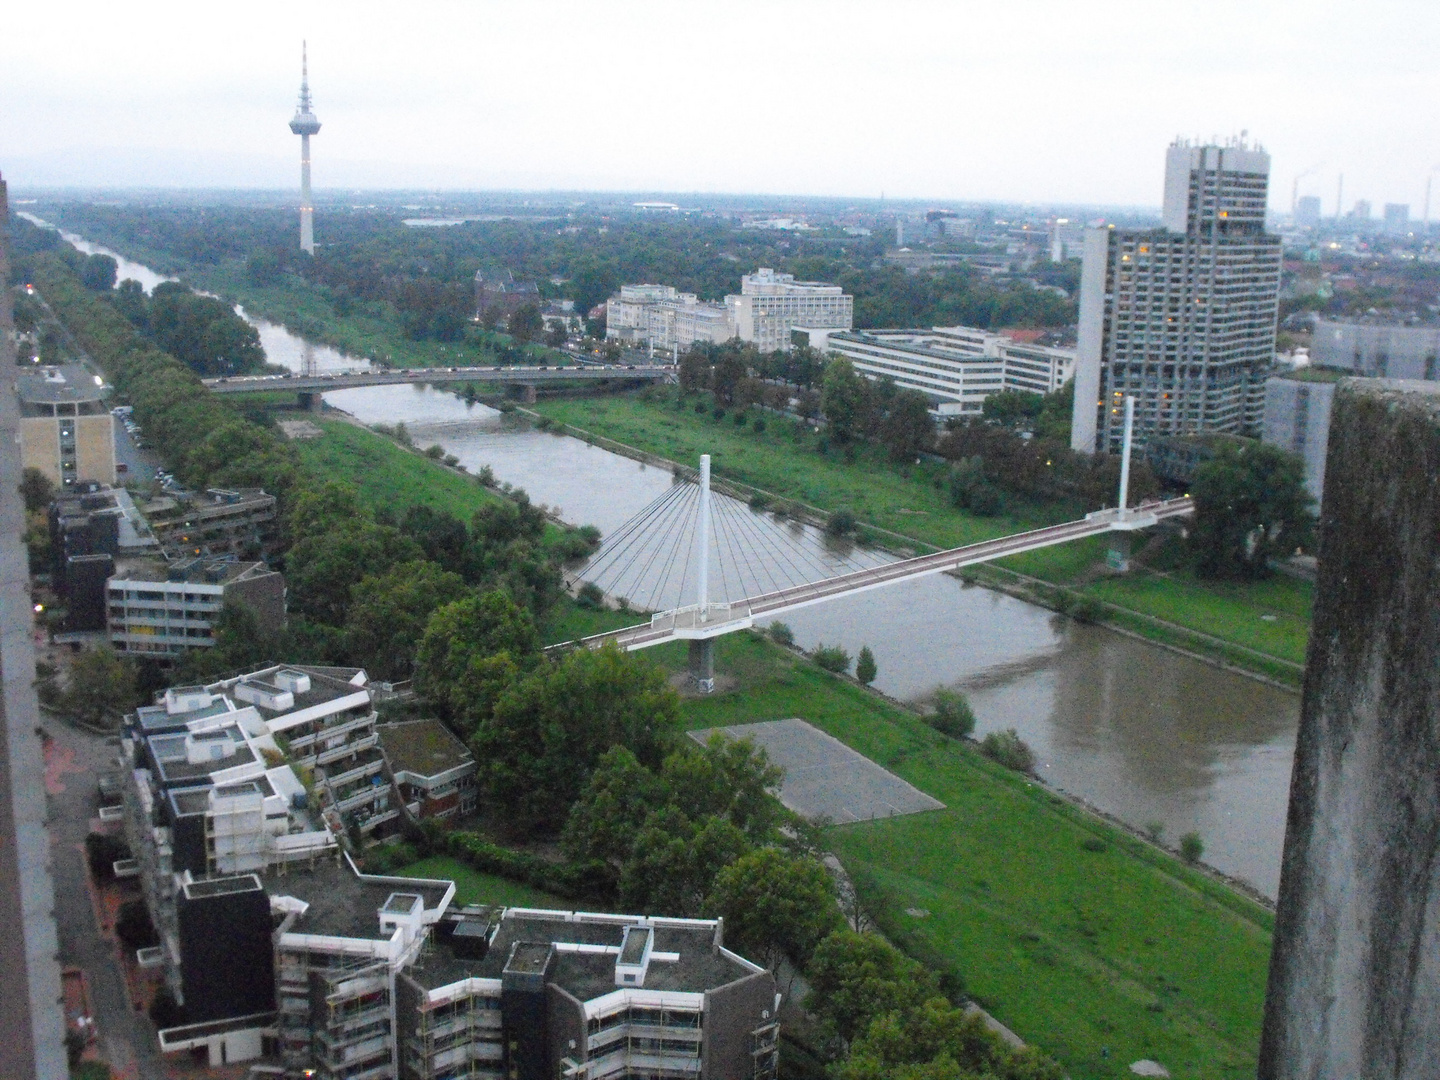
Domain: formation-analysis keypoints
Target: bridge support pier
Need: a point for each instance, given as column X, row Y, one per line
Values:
column 702, row 664
column 1118, row 557
column 310, row 400
column 523, row 393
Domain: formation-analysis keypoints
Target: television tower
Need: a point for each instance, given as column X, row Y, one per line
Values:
column 305, row 124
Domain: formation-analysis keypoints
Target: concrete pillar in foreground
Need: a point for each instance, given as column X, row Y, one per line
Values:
column 1355, row 974
column 702, row 664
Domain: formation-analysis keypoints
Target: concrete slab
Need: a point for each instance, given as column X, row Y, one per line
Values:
column 824, row 777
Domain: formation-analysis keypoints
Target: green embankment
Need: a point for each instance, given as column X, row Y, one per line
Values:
column 473, row 887
column 392, row 477
column 1100, row 957
column 1270, row 617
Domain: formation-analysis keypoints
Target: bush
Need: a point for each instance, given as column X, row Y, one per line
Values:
column 832, row 658
column 1087, row 610
column 133, row 926
column 435, row 452
column 568, row 879
column 759, row 501
column 699, row 408
column 1191, row 847
column 840, row 523
column 719, row 413
column 102, row 851
column 740, row 419
column 952, row 715
column 383, row 858
column 1154, row 830
column 985, row 500
column 91, row 1070
column 486, row 476
column 758, row 427
column 590, row 596
column 1008, row 749
column 781, row 634
column 865, row 669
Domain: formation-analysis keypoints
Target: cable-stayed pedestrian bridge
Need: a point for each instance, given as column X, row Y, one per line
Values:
column 766, row 568
column 695, row 622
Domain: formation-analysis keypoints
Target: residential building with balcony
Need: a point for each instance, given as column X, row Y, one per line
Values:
column 66, row 431
column 770, row 305
column 1181, row 317
column 433, row 769
column 956, row 367
column 215, row 522
column 157, row 609
column 1385, row 348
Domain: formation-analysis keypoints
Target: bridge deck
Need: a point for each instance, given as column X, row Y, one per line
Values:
column 687, row 623
column 247, row 384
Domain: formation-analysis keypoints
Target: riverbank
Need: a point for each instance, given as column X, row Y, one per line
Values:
column 1122, row 949
column 1255, row 627
column 1085, row 940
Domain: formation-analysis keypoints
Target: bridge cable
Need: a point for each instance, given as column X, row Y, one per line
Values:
column 684, row 541
column 645, row 543
column 759, row 544
column 630, row 533
column 658, row 547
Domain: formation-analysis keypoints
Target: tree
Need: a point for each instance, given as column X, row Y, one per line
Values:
column 1012, row 408
column 556, row 336
column 729, row 778
column 101, row 688
column 857, row 977
column 775, row 905
column 321, row 569
column 547, row 733
column 98, row 272
column 36, row 489
column 674, row 862
column 694, row 372
column 389, row 614
column 730, row 371
column 618, row 799
column 865, row 669
column 471, row 650
column 840, row 400
column 937, row 1041
column 908, row 428
column 525, row 323
column 1250, row 506
column 953, row 715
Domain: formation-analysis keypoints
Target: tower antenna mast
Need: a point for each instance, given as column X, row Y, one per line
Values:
column 305, row 124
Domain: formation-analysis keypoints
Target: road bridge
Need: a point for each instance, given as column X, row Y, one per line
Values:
column 523, row 376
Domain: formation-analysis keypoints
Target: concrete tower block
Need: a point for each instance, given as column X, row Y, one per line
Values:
column 1355, row 974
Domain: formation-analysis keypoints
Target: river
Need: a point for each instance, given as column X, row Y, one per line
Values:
column 1140, row 732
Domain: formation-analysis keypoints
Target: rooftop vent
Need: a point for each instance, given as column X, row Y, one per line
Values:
column 297, row 682
column 183, row 699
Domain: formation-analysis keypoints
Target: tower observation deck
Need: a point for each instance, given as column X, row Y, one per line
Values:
column 305, row 124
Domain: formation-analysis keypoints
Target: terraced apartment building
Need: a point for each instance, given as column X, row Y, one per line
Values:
column 1181, row 317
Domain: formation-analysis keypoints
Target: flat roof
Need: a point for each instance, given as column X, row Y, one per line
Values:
column 343, row 903
column 587, row 975
column 422, row 747
column 60, row 385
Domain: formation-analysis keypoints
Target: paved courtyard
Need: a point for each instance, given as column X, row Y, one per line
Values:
column 824, row 777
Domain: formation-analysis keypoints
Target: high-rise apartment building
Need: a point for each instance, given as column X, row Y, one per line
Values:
column 1181, row 317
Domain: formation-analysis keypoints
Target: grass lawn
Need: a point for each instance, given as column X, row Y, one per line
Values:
column 906, row 499
column 388, row 475
column 473, row 887
column 1099, row 957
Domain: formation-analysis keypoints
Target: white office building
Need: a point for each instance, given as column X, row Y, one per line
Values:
column 956, row 367
column 662, row 316
column 770, row 305
column 1181, row 317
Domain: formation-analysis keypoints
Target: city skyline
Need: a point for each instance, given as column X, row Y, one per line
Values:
column 897, row 102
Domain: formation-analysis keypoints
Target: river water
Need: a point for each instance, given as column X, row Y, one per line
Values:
column 1138, row 731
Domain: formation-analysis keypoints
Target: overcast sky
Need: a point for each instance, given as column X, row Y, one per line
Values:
column 1026, row 100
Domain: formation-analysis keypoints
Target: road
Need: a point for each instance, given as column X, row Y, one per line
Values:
column 74, row 761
